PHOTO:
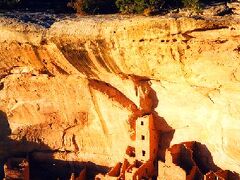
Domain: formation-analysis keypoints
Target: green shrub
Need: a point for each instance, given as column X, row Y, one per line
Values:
column 138, row 6
column 194, row 4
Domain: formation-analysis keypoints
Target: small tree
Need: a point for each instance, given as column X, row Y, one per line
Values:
column 93, row 6
column 78, row 5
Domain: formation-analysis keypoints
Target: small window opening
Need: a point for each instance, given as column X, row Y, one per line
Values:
column 143, row 153
column 142, row 123
column 143, row 137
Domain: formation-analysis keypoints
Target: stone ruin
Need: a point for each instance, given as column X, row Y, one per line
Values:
column 16, row 168
column 181, row 161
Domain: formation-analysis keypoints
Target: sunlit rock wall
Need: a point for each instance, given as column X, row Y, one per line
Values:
column 77, row 87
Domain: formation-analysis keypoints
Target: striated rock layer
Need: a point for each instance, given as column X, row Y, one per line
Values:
column 74, row 91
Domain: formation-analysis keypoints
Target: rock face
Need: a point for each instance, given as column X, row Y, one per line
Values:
column 74, row 91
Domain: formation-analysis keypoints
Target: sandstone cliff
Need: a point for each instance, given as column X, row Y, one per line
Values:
column 73, row 91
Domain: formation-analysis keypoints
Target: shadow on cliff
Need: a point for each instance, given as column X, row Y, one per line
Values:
column 13, row 148
column 166, row 132
column 5, row 130
column 203, row 158
column 58, row 169
column 40, row 156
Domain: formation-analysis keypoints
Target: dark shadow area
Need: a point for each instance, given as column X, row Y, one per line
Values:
column 56, row 6
column 58, row 169
column 5, row 130
column 60, row 6
column 40, row 157
column 166, row 134
column 203, row 158
column 212, row 2
column 1, row 85
column 165, row 139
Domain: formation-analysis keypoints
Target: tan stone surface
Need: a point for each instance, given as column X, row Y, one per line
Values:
column 192, row 66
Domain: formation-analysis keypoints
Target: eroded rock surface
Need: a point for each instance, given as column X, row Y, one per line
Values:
column 74, row 91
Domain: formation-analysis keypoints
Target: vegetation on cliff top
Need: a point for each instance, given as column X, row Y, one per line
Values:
column 110, row 6
column 135, row 6
column 139, row 6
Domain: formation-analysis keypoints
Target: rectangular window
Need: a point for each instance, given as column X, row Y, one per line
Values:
column 142, row 123
column 143, row 137
column 143, row 153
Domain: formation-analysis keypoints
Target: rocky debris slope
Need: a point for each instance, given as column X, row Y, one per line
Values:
column 73, row 92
